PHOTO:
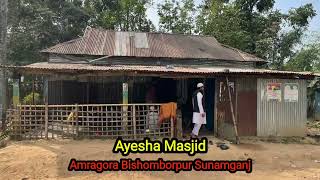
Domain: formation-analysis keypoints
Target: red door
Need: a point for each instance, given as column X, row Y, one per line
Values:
column 247, row 108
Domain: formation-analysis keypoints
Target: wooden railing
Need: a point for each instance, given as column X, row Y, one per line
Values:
column 129, row 121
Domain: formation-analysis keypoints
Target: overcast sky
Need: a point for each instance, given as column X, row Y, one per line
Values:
column 283, row 5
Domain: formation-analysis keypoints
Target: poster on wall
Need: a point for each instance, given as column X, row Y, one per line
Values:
column 274, row 91
column 291, row 92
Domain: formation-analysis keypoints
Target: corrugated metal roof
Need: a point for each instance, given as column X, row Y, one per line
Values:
column 63, row 67
column 102, row 42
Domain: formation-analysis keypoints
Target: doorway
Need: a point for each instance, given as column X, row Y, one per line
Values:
column 209, row 98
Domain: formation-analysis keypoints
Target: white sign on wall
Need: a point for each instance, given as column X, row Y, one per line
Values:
column 291, row 92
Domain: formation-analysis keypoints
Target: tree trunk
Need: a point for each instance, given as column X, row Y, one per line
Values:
column 3, row 51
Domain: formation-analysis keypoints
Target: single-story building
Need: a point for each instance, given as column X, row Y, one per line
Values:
column 107, row 76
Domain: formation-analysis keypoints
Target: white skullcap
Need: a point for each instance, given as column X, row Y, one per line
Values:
column 199, row 85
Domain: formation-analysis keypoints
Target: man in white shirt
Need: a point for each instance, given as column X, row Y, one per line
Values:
column 199, row 115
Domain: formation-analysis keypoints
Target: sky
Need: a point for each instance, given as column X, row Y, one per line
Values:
column 282, row 5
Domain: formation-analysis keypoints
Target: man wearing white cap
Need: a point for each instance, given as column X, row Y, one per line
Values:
column 199, row 115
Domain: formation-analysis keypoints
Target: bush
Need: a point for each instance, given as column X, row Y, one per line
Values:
column 28, row 99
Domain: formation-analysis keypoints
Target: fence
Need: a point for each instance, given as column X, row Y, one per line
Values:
column 131, row 121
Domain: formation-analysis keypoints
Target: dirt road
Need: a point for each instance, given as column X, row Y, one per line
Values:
column 49, row 160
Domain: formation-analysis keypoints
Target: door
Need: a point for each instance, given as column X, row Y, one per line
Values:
column 247, row 107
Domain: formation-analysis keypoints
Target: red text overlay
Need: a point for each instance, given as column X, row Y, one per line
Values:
column 160, row 165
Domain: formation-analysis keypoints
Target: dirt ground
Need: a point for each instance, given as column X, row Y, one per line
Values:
column 49, row 160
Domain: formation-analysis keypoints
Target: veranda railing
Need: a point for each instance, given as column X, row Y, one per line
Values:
column 129, row 121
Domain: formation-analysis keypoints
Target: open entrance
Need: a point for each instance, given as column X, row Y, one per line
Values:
column 97, row 91
column 141, row 90
column 187, row 111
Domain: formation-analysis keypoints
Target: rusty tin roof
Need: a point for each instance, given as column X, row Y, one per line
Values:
column 100, row 42
column 43, row 67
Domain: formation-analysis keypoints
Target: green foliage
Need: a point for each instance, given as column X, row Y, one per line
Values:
column 308, row 59
column 176, row 17
column 286, row 41
column 32, row 98
column 299, row 17
column 254, row 26
column 125, row 15
column 37, row 24
column 250, row 6
column 223, row 22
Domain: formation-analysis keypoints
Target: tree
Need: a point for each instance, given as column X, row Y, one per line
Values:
column 3, row 59
column 307, row 59
column 168, row 16
column 298, row 21
column 125, row 15
column 252, row 13
column 69, row 16
column 222, row 20
column 254, row 26
column 38, row 24
column 176, row 17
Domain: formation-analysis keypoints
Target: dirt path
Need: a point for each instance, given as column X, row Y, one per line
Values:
column 49, row 160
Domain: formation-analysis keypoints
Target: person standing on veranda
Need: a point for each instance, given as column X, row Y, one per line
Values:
column 199, row 114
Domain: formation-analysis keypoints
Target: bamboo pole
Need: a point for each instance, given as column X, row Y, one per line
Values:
column 134, row 122
column 33, row 91
column 46, row 120
column 19, row 123
column 172, row 127
column 232, row 112
column 124, row 113
column 179, row 124
column 77, row 120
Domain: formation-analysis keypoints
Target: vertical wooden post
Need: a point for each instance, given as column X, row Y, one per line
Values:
column 172, row 127
column 33, row 90
column 215, row 122
column 232, row 112
column 77, row 120
column 134, row 122
column 15, row 93
column 125, row 107
column 88, row 93
column 179, row 124
column 61, row 125
column 19, row 121
column 46, row 119
column 45, row 90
